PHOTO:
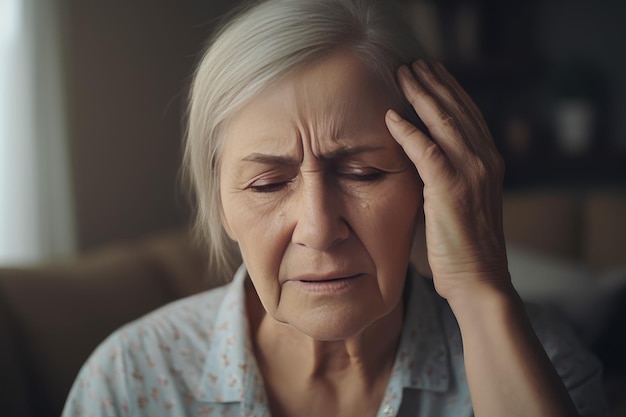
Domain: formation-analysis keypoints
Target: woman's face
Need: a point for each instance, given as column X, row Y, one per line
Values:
column 320, row 198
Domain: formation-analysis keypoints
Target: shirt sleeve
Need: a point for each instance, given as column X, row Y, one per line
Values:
column 101, row 387
column 579, row 369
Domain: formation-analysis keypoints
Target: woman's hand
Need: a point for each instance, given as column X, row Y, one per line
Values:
column 507, row 369
column 462, row 173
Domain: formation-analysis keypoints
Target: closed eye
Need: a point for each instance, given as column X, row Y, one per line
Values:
column 269, row 187
column 357, row 174
column 364, row 175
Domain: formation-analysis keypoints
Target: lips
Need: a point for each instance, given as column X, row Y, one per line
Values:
column 313, row 278
column 326, row 284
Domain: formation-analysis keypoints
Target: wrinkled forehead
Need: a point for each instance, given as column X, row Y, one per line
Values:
column 340, row 86
column 334, row 100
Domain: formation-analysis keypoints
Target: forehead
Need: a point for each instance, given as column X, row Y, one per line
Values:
column 332, row 102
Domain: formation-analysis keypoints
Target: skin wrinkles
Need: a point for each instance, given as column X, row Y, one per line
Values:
column 349, row 162
column 306, row 134
column 327, row 249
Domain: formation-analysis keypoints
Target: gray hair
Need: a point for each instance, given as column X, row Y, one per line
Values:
column 263, row 43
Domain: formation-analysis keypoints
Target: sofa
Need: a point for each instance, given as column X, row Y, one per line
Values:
column 53, row 316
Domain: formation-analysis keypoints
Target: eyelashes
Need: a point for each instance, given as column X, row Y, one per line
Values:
column 271, row 187
column 366, row 175
column 361, row 175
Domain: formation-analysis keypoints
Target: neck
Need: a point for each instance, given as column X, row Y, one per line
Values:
column 367, row 356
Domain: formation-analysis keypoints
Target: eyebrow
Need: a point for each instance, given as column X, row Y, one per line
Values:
column 333, row 155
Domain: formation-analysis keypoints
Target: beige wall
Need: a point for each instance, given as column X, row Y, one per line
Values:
column 128, row 64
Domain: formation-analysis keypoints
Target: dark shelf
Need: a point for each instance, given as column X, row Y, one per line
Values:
column 593, row 170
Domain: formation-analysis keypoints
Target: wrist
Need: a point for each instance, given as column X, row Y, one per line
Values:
column 483, row 297
column 505, row 363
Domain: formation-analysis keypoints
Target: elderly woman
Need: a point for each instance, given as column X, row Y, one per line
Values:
column 310, row 164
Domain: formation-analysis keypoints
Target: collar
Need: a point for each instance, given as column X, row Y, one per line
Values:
column 230, row 365
column 422, row 360
column 231, row 374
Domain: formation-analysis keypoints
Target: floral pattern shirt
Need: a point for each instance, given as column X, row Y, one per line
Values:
column 194, row 358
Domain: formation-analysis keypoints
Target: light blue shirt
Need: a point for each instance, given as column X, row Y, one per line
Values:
column 194, row 358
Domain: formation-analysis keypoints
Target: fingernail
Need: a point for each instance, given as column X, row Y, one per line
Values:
column 393, row 115
column 405, row 71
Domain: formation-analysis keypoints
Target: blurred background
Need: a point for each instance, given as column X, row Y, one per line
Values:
column 92, row 103
column 549, row 77
column 93, row 94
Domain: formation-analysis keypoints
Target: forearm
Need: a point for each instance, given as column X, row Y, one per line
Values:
column 507, row 369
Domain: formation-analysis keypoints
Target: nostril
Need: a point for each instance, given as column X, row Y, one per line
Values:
column 320, row 231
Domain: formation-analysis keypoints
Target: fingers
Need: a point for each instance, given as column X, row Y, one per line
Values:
column 445, row 108
column 425, row 154
column 458, row 142
column 460, row 95
column 460, row 169
column 438, row 119
column 476, row 133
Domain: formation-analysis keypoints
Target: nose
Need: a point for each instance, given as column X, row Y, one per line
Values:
column 321, row 222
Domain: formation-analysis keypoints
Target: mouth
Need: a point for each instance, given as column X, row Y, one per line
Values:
column 330, row 279
column 326, row 284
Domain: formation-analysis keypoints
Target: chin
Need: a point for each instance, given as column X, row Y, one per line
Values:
column 331, row 326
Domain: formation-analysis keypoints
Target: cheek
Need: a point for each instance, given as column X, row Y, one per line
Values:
column 262, row 234
column 262, row 241
column 388, row 226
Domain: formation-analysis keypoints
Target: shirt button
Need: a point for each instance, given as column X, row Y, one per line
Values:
column 388, row 410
